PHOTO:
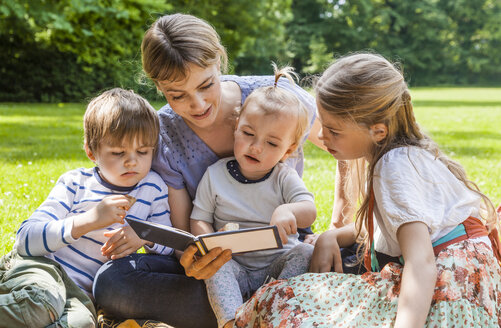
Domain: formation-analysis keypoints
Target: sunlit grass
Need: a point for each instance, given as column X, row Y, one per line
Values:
column 39, row 142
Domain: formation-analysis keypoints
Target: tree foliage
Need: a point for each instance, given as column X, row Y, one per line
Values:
column 68, row 50
column 437, row 41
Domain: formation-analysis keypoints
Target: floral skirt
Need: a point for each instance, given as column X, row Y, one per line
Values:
column 467, row 294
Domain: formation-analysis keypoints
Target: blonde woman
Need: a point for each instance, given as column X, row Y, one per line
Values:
column 183, row 56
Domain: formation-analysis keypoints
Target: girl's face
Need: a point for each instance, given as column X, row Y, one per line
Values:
column 261, row 141
column 345, row 140
column 196, row 98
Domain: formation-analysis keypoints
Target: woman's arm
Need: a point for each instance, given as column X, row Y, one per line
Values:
column 340, row 208
column 419, row 276
column 342, row 211
column 327, row 253
column 180, row 208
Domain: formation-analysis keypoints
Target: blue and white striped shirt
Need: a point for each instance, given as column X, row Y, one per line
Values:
column 48, row 231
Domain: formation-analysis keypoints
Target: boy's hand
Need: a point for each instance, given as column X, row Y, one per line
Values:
column 122, row 242
column 285, row 221
column 111, row 209
column 108, row 211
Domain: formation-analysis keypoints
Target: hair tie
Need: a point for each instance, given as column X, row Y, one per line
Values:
column 277, row 76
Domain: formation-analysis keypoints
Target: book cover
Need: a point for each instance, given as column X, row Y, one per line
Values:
column 239, row 241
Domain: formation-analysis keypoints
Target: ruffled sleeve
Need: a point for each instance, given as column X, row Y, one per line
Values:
column 410, row 185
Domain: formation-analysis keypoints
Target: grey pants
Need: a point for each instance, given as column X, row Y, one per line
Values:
column 36, row 292
column 233, row 283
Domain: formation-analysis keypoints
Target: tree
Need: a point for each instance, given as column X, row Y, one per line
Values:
column 252, row 31
column 72, row 48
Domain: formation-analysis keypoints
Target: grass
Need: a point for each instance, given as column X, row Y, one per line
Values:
column 39, row 142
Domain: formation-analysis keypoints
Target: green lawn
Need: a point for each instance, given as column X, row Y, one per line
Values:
column 39, row 142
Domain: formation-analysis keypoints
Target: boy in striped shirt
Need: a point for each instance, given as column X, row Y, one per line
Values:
column 47, row 278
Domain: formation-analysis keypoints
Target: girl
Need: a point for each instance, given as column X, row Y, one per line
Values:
column 416, row 206
column 254, row 189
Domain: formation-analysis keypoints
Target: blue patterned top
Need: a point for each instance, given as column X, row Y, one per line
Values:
column 182, row 157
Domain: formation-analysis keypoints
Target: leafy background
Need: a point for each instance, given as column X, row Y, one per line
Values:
column 69, row 50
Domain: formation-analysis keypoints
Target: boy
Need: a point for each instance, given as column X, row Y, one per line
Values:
column 47, row 278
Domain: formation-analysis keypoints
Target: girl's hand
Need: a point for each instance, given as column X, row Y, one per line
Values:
column 121, row 242
column 285, row 221
column 206, row 266
column 326, row 253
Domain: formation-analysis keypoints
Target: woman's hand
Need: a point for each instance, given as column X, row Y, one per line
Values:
column 121, row 242
column 206, row 266
column 326, row 253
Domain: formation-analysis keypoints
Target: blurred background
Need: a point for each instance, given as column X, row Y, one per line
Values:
column 69, row 50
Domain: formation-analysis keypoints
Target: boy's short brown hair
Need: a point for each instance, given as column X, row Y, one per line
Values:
column 118, row 117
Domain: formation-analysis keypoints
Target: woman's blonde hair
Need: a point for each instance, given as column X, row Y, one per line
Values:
column 367, row 89
column 175, row 41
column 272, row 100
column 118, row 117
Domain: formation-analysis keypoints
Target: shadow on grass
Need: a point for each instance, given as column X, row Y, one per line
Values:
column 453, row 103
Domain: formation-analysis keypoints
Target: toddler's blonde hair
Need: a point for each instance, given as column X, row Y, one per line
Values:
column 275, row 100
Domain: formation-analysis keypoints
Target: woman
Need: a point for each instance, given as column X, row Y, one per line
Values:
column 184, row 57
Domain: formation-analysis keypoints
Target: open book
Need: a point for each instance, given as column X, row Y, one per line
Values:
column 239, row 241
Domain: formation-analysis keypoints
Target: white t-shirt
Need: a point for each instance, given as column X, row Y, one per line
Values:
column 220, row 199
column 410, row 184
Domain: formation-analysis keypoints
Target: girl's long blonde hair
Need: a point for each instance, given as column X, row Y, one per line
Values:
column 367, row 89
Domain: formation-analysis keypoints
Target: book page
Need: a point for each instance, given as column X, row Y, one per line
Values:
column 246, row 240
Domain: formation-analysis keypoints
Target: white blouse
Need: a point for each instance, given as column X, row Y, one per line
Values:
column 411, row 185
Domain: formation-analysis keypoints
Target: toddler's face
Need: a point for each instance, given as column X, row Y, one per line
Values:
column 261, row 141
column 344, row 140
column 125, row 165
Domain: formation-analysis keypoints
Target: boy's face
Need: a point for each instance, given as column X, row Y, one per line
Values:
column 261, row 141
column 124, row 165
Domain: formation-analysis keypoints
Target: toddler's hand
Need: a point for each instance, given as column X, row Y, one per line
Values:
column 285, row 221
column 122, row 242
column 111, row 209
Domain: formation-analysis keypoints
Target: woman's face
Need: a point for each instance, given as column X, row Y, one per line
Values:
column 196, row 98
